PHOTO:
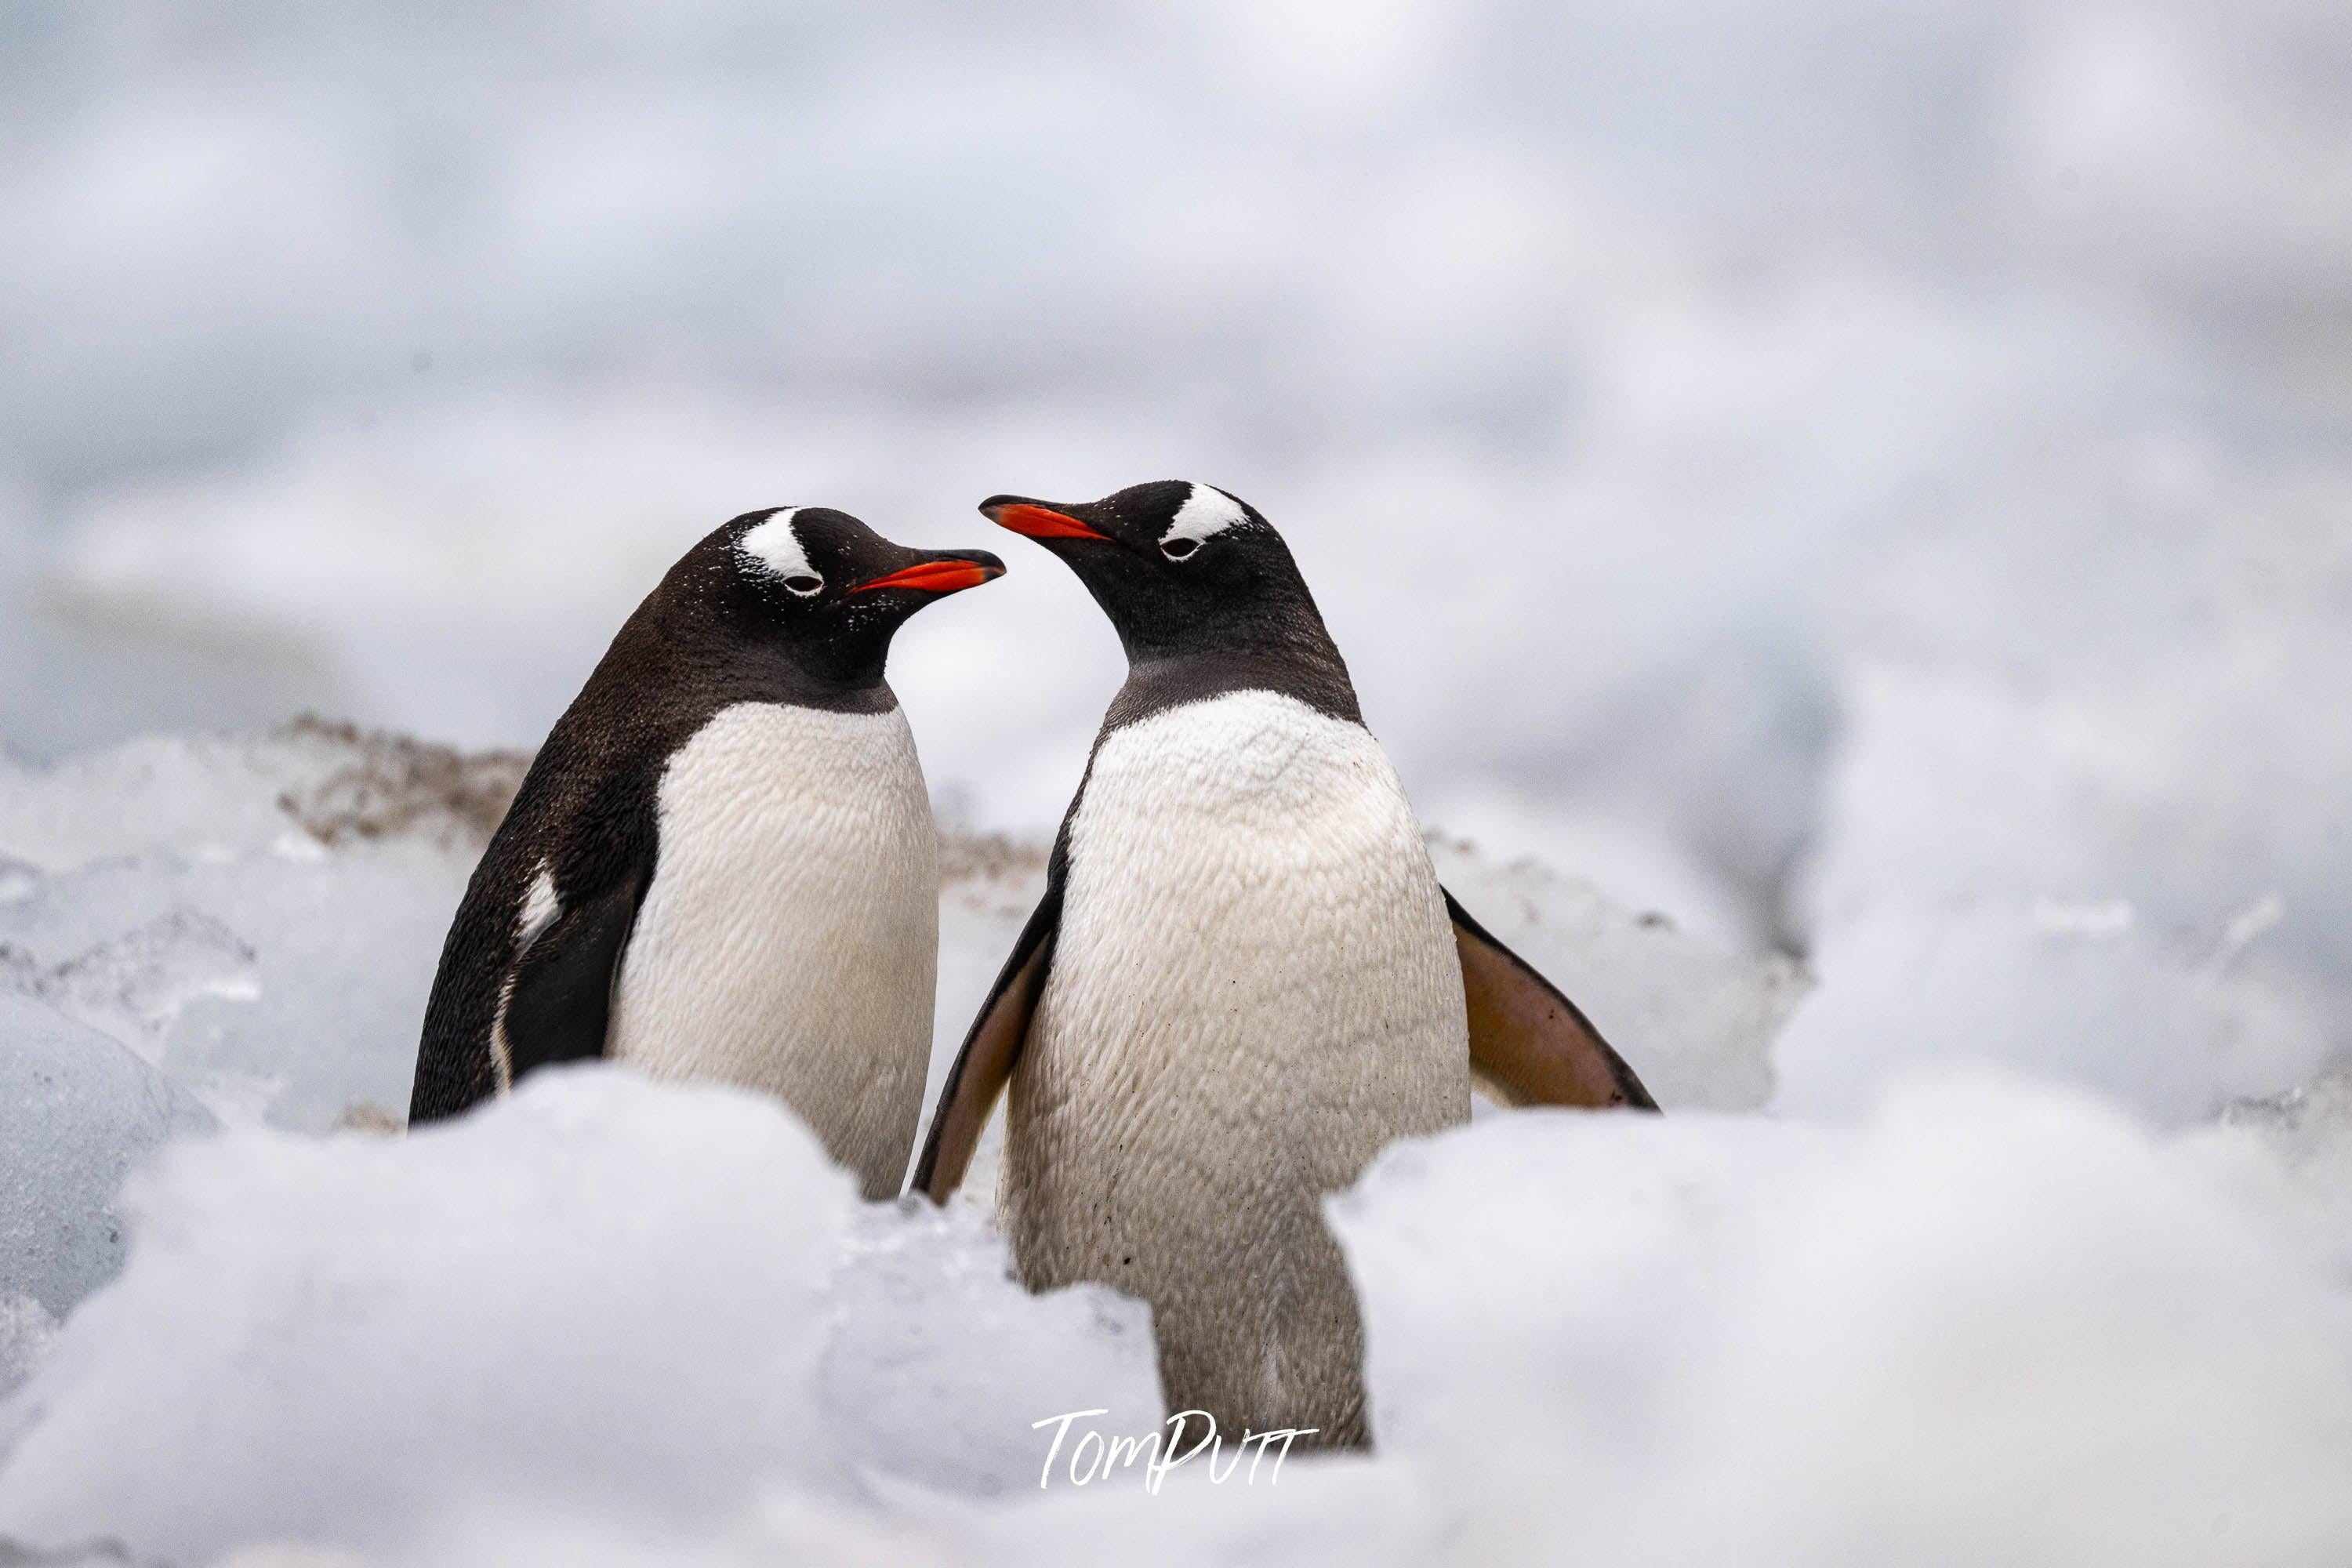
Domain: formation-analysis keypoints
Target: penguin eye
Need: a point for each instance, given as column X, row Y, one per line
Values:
column 1178, row 547
column 803, row 585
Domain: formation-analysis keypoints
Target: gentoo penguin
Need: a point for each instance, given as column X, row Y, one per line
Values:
column 1242, row 981
column 721, row 864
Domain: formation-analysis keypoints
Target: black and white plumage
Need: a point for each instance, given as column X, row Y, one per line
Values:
column 722, row 863
column 1243, row 979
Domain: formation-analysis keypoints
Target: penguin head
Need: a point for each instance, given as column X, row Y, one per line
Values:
column 823, row 585
column 1180, row 568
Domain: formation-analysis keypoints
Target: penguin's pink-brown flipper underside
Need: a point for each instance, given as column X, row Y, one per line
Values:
column 990, row 1051
column 1529, row 1042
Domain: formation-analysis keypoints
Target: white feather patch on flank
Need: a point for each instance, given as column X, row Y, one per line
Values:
column 1205, row 512
column 540, row 907
column 774, row 546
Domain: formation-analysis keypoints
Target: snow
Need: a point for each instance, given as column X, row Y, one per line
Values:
column 2296, row 1151
column 1993, row 1321
column 1843, row 506
column 26, row 1330
column 239, row 929
column 596, row 1293
column 1583, row 1327
column 611, row 1321
column 2013, row 876
column 258, row 917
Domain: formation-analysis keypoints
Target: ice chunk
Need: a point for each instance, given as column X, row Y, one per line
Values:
column 284, row 987
column 261, row 915
column 600, row 1296
column 135, row 985
column 935, row 1354
column 2310, row 1129
column 77, row 1111
column 1997, row 1324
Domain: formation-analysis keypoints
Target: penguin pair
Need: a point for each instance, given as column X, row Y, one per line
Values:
column 1242, row 981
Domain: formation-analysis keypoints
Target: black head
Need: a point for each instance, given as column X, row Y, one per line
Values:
column 814, row 587
column 1203, row 592
column 1180, row 568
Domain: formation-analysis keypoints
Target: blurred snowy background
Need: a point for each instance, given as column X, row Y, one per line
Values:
column 1872, row 485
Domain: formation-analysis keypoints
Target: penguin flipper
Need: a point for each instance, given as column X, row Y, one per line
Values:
column 990, row 1052
column 1527, row 1041
column 562, row 1003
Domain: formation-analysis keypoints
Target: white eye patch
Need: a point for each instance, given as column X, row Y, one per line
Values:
column 1206, row 511
column 772, row 547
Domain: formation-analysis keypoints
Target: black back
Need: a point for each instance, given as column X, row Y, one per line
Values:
column 723, row 627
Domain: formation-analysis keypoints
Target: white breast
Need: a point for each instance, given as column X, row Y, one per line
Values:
column 790, row 938
column 1255, row 988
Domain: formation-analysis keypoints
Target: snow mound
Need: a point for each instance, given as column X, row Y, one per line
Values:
column 1338, row 1512
column 600, row 1296
column 611, row 1323
column 1995, row 1323
column 2295, row 1149
column 2077, row 991
column 2015, row 876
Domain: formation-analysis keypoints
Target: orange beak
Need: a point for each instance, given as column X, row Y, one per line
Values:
column 1038, row 521
column 935, row 578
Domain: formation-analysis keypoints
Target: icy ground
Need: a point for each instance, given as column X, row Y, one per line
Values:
column 1973, row 1317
